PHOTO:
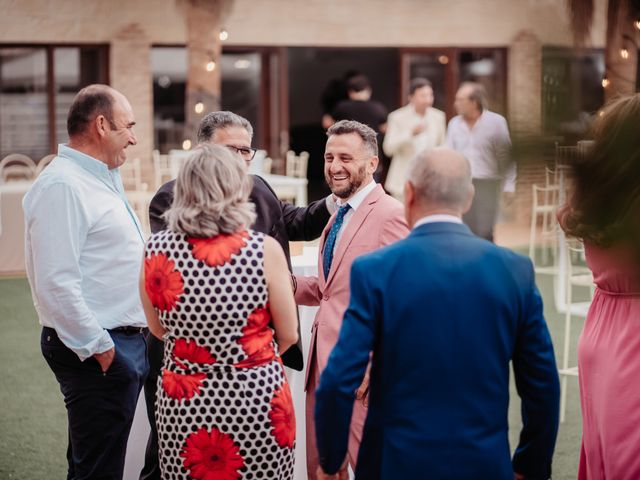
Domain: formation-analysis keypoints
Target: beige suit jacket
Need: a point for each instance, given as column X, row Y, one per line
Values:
column 402, row 145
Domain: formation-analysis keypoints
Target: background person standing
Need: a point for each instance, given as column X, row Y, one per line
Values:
column 483, row 138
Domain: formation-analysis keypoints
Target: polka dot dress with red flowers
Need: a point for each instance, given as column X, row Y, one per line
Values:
column 224, row 409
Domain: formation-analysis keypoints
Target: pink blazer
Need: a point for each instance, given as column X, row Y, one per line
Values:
column 378, row 221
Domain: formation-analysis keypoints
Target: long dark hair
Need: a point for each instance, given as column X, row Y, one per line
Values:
column 605, row 206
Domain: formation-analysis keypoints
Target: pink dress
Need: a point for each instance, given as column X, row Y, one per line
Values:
column 609, row 368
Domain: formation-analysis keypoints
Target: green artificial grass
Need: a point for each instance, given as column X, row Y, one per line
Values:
column 33, row 420
column 33, row 427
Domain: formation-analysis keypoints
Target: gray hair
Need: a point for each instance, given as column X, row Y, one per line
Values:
column 441, row 176
column 211, row 194
column 478, row 94
column 367, row 134
column 220, row 120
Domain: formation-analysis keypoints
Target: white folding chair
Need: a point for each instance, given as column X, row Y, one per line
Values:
column 545, row 201
column 131, row 173
column 17, row 166
column 296, row 165
column 44, row 162
column 161, row 169
column 573, row 275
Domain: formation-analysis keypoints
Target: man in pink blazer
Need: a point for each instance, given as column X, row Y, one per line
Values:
column 366, row 219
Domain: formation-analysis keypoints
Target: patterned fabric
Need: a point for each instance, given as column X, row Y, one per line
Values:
column 331, row 239
column 224, row 409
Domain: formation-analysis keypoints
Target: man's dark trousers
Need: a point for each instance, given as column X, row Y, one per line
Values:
column 100, row 406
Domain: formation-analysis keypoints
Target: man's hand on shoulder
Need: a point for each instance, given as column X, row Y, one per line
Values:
column 105, row 359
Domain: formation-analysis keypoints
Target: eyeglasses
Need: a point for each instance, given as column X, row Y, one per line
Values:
column 247, row 152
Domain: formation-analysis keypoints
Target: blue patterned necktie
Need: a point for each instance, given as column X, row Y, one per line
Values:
column 327, row 255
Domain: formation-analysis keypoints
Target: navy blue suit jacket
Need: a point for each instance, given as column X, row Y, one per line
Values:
column 444, row 313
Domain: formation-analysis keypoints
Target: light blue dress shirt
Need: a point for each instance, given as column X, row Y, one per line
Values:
column 84, row 248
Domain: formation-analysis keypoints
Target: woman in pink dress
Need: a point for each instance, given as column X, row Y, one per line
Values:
column 604, row 211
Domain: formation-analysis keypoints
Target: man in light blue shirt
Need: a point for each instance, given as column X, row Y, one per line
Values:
column 83, row 247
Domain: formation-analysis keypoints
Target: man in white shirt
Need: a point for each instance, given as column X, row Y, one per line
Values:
column 410, row 130
column 483, row 138
column 83, row 246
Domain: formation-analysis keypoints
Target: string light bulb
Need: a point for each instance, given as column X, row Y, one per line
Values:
column 443, row 59
column 199, row 107
column 186, row 145
column 211, row 66
column 624, row 53
column 637, row 24
column 605, row 82
column 223, row 35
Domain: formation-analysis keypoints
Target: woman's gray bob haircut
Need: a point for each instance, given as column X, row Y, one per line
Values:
column 211, row 194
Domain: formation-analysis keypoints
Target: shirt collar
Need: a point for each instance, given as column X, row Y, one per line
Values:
column 359, row 197
column 437, row 218
column 95, row 167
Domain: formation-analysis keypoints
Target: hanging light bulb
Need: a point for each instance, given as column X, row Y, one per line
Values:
column 637, row 24
column 199, row 107
column 211, row 66
column 624, row 53
column 223, row 35
column 605, row 82
column 186, row 145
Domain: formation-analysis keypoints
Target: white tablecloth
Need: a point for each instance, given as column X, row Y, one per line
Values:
column 12, row 227
column 305, row 264
column 286, row 187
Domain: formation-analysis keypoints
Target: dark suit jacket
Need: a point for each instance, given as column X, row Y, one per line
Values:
column 280, row 220
column 444, row 313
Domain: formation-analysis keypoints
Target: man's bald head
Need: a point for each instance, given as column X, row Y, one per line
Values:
column 441, row 178
column 90, row 102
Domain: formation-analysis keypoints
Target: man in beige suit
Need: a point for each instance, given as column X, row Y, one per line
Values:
column 366, row 220
column 410, row 130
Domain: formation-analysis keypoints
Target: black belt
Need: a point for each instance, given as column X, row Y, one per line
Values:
column 129, row 330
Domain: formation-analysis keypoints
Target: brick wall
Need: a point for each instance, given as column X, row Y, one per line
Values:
column 130, row 74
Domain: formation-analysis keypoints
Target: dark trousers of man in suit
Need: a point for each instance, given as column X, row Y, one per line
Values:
column 100, row 406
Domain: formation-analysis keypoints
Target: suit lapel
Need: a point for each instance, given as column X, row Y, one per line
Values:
column 355, row 222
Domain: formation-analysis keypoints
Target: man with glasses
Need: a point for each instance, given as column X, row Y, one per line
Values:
column 280, row 220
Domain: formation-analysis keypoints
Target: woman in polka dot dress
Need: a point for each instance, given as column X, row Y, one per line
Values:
column 212, row 289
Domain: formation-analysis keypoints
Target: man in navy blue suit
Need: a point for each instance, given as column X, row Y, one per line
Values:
column 444, row 312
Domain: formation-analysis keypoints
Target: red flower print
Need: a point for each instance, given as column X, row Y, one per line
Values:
column 257, row 334
column 182, row 387
column 212, row 456
column 257, row 339
column 216, row 251
column 190, row 351
column 163, row 282
column 283, row 418
column 261, row 357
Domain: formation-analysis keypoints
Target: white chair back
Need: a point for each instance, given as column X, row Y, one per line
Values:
column 161, row 168
column 17, row 166
column 131, row 173
column 296, row 165
column 44, row 162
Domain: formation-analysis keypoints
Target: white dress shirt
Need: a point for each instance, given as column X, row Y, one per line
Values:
column 84, row 248
column 354, row 202
column 486, row 146
column 440, row 217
